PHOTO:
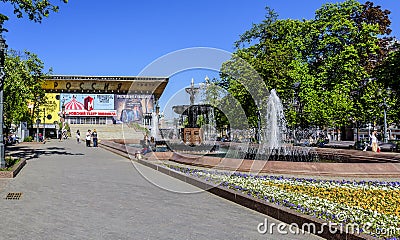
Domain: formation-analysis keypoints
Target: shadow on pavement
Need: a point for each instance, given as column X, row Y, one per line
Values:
column 28, row 152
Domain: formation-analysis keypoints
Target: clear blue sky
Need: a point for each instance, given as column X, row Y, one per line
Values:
column 91, row 37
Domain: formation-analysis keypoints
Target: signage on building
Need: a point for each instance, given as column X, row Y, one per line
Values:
column 58, row 85
column 87, row 102
column 93, row 113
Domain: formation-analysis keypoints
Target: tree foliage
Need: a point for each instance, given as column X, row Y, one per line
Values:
column 322, row 69
column 36, row 10
column 22, row 86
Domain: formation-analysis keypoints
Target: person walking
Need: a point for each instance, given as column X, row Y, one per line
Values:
column 374, row 141
column 78, row 136
column 88, row 138
column 59, row 135
column 94, row 137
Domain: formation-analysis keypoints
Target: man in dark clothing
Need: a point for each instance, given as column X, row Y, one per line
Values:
column 94, row 137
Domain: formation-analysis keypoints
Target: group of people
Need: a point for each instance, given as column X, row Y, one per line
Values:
column 90, row 136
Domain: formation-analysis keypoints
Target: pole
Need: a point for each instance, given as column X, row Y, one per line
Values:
column 258, row 126
column 3, row 47
column 369, row 129
column 385, row 138
column 2, row 153
column 44, row 124
column 37, row 126
column 358, row 133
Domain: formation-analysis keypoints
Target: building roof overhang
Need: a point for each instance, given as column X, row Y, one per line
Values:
column 106, row 84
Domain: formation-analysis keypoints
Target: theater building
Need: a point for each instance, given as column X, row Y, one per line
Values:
column 100, row 99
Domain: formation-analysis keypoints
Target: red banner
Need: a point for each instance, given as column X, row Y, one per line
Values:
column 91, row 113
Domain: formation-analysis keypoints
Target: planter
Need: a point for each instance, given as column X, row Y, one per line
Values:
column 14, row 171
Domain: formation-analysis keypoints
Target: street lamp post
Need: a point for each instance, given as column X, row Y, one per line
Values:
column 385, row 132
column 37, row 126
column 44, row 124
column 369, row 129
column 3, row 47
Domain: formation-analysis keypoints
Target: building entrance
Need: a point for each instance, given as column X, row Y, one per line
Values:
column 87, row 120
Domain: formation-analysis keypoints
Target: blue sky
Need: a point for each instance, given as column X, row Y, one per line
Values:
column 91, row 37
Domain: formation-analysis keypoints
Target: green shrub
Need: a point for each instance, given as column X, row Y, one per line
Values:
column 28, row 139
column 10, row 162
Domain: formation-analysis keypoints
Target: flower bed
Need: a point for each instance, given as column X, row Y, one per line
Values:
column 371, row 207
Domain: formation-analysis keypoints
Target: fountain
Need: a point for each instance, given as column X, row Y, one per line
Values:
column 198, row 118
column 198, row 132
column 273, row 146
column 275, row 121
column 271, row 154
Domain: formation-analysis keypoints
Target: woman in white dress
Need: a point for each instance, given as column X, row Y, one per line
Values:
column 374, row 141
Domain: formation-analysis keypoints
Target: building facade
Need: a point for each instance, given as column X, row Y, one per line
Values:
column 101, row 99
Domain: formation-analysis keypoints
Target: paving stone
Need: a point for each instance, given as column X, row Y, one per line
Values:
column 71, row 191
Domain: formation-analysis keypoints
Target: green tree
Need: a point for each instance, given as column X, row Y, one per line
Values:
column 22, row 86
column 329, row 59
column 24, row 74
column 347, row 39
column 36, row 10
column 213, row 95
column 276, row 53
column 388, row 73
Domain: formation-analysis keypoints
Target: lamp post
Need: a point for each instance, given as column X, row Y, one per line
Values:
column 369, row 129
column 385, row 134
column 3, row 47
column 37, row 125
column 44, row 123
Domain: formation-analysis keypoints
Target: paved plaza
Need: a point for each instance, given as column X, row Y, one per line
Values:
column 74, row 192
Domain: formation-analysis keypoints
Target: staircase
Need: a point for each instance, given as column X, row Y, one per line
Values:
column 112, row 131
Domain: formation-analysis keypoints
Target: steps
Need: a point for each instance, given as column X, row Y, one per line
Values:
column 114, row 131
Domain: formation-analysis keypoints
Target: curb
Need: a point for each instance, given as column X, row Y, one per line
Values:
column 14, row 171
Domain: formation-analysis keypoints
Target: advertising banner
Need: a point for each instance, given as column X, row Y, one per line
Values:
column 87, row 102
column 92, row 105
column 130, row 108
column 50, row 109
column 94, row 113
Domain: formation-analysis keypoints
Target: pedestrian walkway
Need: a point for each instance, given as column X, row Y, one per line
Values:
column 70, row 191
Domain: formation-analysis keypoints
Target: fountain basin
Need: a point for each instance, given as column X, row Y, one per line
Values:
column 380, row 165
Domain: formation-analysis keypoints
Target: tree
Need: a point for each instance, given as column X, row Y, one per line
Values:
column 35, row 9
column 24, row 74
column 347, row 45
column 388, row 73
column 22, row 86
column 329, row 59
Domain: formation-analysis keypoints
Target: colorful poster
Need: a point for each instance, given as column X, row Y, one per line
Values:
column 88, row 102
column 50, row 109
column 130, row 108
